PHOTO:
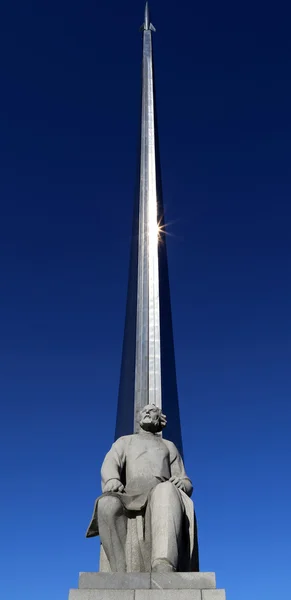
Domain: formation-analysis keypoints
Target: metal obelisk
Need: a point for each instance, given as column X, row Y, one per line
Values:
column 148, row 372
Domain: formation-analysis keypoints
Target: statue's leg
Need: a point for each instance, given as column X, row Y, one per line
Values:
column 166, row 526
column 112, row 525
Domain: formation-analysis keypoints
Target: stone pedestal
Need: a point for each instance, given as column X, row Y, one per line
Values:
column 147, row 586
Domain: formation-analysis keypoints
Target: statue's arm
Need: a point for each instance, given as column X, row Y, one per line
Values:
column 178, row 470
column 112, row 466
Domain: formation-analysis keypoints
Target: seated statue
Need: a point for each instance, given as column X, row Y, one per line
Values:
column 145, row 518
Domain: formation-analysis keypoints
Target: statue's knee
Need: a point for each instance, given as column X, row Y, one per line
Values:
column 170, row 491
column 168, row 486
column 109, row 507
column 163, row 490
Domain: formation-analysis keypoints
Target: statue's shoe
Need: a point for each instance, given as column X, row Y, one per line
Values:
column 162, row 566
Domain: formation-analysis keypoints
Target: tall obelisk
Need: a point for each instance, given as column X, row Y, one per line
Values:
column 148, row 372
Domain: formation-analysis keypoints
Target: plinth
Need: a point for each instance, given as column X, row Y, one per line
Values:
column 147, row 586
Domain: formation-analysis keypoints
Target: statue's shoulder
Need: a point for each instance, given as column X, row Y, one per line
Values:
column 121, row 445
column 170, row 445
column 125, row 439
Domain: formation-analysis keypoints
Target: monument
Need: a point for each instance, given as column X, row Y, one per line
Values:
column 145, row 515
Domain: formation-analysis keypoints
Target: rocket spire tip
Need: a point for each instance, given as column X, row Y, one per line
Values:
column 147, row 24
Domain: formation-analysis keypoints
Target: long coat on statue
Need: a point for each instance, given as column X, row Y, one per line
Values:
column 141, row 461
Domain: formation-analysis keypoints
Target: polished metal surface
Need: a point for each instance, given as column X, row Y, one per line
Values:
column 148, row 370
column 148, row 347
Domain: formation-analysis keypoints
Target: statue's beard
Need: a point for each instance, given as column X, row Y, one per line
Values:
column 154, row 427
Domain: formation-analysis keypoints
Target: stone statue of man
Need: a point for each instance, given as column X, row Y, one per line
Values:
column 145, row 517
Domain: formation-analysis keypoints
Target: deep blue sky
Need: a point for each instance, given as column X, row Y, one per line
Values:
column 69, row 109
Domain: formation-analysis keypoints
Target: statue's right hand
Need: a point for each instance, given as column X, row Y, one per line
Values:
column 113, row 485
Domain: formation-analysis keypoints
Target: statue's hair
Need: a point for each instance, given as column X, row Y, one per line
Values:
column 163, row 420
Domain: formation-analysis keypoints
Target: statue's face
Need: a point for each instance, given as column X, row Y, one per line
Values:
column 150, row 418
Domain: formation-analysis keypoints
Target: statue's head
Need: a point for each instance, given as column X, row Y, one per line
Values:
column 152, row 419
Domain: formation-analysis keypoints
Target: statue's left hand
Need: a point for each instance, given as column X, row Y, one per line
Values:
column 179, row 483
column 113, row 485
